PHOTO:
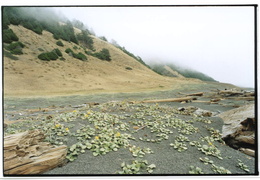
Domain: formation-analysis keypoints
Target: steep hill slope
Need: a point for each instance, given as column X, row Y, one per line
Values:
column 31, row 76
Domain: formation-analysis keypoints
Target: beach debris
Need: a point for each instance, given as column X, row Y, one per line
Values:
column 235, row 94
column 26, row 153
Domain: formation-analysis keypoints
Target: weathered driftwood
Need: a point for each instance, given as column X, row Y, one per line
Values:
column 170, row 100
column 198, row 101
column 195, row 94
column 247, row 151
column 239, row 127
column 249, row 94
column 25, row 153
column 230, row 93
column 249, row 98
column 215, row 100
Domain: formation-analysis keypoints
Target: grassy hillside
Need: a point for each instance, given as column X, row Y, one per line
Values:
column 45, row 63
column 172, row 70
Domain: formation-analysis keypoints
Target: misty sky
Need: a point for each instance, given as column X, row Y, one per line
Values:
column 218, row 41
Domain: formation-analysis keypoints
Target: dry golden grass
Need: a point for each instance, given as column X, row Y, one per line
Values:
column 30, row 76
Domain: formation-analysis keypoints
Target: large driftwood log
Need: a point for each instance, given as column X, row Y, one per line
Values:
column 170, row 100
column 25, row 153
column 239, row 127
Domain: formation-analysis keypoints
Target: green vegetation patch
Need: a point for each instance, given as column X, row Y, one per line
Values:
column 102, row 55
column 79, row 55
column 9, row 36
column 58, row 52
column 47, row 56
column 10, row 55
column 53, row 55
column 59, row 43
column 188, row 73
column 15, row 48
column 85, row 39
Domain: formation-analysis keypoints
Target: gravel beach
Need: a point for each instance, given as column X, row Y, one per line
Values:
column 150, row 125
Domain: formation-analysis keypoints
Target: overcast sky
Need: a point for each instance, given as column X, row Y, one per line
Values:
column 218, row 41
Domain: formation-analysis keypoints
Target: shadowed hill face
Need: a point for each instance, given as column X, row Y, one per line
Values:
column 31, row 76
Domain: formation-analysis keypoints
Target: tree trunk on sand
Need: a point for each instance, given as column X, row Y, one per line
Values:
column 25, row 153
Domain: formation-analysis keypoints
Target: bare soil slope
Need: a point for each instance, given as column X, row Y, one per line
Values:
column 31, row 76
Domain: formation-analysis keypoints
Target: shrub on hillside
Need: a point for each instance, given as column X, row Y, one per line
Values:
column 32, row 24
column 85, row 39
column 79, row 56
column 103, row 55
column 5, row 21
column 10, row 55
column 56, row 36
column 52, row 55
column 15, row 48
column 9, row 36
column 59, row 43
column 68, row 50
column 17, row 51
column 47, row 56
column 58, row 52
column 44, row 57
column 89, row 53
column 15, row 45
column 103, row 38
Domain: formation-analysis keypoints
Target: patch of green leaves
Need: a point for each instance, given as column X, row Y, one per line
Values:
column 241, row 165
column 108, row 140
column 75, row 150
column 139, row 152
column 136, row 167
column 179, row 146
column 220, row 169
column 195, row 170
column 84, row 133
column 206, row 160
column 210, row 150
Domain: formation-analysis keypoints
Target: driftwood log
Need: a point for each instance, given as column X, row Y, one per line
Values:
column 239, row 127
column 195, row 94
column 230, row 93
column 170, row 100
column 25, row 153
